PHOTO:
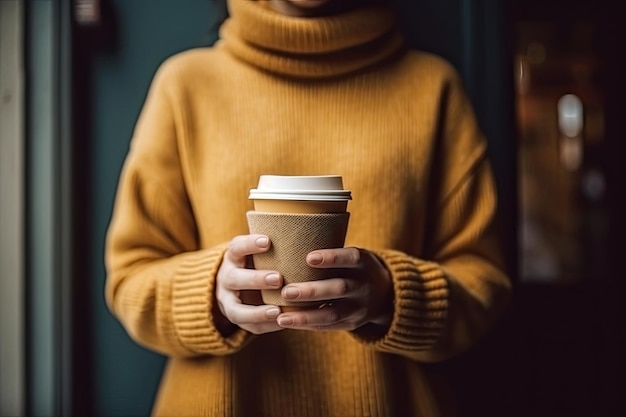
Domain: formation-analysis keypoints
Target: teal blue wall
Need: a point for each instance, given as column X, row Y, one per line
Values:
column 41, row 210
column 126, row 375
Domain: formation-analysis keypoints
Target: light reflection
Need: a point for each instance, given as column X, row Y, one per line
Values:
column 570, row 110
column 523, row 76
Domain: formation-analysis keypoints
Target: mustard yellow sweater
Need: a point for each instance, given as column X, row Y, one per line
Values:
column 330, row 95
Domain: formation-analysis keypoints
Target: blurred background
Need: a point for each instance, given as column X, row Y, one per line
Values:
column 547, row 81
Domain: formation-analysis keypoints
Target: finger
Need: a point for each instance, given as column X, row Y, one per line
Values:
column 244, row 245
column 250, row 279
column 329, row 317
column 245, row 315
column 335, row 258
column 325, row 289
column 309, row 318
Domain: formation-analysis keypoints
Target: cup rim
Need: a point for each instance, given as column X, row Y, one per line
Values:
column 300, row 182
column 312, row 196
column 301, row 187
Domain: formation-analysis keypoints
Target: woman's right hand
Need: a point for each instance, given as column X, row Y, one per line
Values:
column 238, row 288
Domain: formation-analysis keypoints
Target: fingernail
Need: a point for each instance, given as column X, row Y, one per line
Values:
column 272, row 279
column 315, row 259
column 272, row 312
column 285, row 321
column 262, row 242
column 291, row 292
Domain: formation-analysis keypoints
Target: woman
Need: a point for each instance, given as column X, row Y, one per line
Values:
column 306, row 87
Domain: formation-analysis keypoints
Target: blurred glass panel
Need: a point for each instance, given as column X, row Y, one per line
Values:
column 560, row 117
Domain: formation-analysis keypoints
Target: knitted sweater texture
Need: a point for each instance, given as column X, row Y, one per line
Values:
column 294, row 96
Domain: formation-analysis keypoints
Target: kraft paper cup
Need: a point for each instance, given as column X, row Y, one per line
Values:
column 299, row 214
column 299, row 206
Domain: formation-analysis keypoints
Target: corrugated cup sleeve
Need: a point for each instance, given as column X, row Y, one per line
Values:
column 293, row 236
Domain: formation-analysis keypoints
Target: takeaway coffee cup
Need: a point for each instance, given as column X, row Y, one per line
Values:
column 299, row 214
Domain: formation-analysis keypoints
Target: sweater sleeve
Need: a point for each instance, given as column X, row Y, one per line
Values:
column 159, row 281
column 448, row 298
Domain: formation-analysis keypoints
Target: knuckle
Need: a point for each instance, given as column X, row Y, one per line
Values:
column 243, row 245
column 230, row 277
column 342, row 288
column 234, row 248
column 333, row 317
column 333, row 258
column 354, row 255
column 303, row 320
column 232, row 314
column 309, row 291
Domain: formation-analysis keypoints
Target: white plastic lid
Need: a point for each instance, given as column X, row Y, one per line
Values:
column 310, row 187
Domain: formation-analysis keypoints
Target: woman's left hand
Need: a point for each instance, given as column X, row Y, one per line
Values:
column 361, row 294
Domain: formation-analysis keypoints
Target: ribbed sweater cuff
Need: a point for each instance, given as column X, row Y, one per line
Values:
column 420, row 304
column 192, row 299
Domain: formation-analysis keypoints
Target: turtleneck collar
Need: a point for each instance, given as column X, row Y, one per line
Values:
column 309, row 47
